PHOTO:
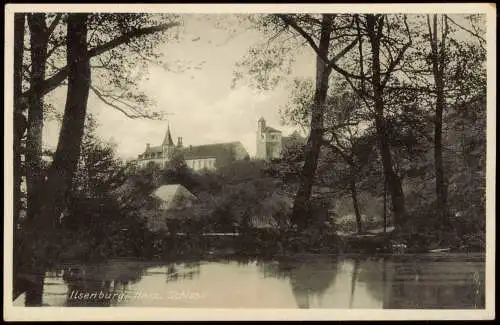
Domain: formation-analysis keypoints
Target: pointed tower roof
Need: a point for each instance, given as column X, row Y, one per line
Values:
column 168, row 138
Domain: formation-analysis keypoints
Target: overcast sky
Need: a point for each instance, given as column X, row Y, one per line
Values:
column 204, row 108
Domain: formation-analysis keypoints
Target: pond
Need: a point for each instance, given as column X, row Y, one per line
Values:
column 373, row 282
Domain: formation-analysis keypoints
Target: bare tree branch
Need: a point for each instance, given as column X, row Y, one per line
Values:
column 54, row 81
column 330, row 63
column 105, row 100
column 401, row 53
column 54, row 48
column 343, row 52
column 479, row 37
column 361, row 59
column 291, row 22
column 445, row 30
column 53, row 25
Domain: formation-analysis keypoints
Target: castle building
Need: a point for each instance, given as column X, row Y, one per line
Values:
column 209, row 156
column 269, row 141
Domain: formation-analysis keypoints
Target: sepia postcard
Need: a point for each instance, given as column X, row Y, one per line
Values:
column 249, row 162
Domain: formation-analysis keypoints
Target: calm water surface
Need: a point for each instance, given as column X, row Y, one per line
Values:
column 406, row 281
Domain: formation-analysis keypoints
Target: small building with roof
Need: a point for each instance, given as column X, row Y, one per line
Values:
column 174, row 200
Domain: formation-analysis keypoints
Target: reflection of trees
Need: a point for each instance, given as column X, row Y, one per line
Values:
column 436, row 282
column 353, row 281
column 424, row 282
column 34, row 290
column 184, row 271
column 102, row 290
column 372, row 272
column 308, row 276
column 110, row 279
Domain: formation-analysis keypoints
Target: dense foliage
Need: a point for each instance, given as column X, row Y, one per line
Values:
column 400, row 91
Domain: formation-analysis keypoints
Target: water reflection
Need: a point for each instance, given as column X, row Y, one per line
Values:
column 414, row 281
column 442, row 282
column 101, row 284
column 309, row 277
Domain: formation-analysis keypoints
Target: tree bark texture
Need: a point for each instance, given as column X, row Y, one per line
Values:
column 34, row 177
column 20, row 122
column 375, row 29
column 301, row 214
column 65, row 163
column 20, row 125
column 438, row 66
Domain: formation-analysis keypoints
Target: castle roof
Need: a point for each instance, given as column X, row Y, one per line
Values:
column 222, row 152
column 154, row 149
column 271, row 130
column 168, row 138
column 216, row 150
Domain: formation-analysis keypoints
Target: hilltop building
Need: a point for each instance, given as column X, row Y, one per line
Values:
column 271, row 142
column 209, row 156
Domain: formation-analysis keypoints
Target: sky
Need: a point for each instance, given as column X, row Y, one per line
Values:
column 202, row 106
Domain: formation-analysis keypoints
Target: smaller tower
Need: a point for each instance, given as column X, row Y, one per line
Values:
column 261, row 139
column 168, row 144
column 261, row 124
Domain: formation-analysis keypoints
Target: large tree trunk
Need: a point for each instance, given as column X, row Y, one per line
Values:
column 393, row 182
column 302, row 203
column 19, row 119
column 34, row 177
column 385, row 206
column 374, row 28
column 20, row 125
column 41, row 248
column 65, row 163
column 28, row 262
column 438, row 64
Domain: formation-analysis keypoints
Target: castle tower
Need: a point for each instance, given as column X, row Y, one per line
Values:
column 261, row 139
column 167, row 145
column 269, row 141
